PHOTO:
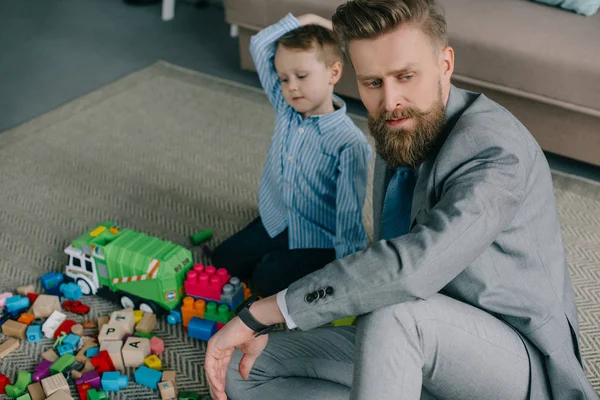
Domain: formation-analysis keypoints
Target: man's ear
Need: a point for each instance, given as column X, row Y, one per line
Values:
column 335, row 72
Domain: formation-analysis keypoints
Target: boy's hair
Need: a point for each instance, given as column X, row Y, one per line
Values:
column 308, row 37
column 368, row 19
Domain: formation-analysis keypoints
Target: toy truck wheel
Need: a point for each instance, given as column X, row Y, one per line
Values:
column 149, row 307
column 127, row 302
column 84, row 286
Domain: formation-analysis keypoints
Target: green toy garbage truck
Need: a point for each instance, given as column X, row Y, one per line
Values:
column 134, row 269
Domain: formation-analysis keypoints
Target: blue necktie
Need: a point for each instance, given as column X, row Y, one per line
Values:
column 397, row 205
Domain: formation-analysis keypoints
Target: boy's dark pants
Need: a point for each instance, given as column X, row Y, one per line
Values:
column 270, row 263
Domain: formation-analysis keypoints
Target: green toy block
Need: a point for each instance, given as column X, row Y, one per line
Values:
column 94, row 394
column 344, row 321
column 200, row 237
column 64, row 362
column 206, row 398
column 20, row 386
column 222, row 314
column 26, row 396
column 145, row 335
column 188, row 396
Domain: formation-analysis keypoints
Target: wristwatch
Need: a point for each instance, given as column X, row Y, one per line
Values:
column 244, row 313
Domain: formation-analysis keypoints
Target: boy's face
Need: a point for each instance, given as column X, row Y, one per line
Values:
column 306, row 82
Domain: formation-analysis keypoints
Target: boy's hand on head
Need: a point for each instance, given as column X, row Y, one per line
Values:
column 313, row 19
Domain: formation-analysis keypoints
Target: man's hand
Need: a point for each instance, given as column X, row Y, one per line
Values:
column 313, row 19
column 234, row 335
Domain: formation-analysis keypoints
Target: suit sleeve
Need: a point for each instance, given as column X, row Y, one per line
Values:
column 477, row 200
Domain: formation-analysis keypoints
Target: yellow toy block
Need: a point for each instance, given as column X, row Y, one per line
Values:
column 137, row 315
column 153, row 362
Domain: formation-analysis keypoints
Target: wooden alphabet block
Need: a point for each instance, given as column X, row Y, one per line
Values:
column 111, row 332
column 14, row 329
column 125, row 318
column 147, row 324
column 135, row 351
column 114, row 351
column 10, row 345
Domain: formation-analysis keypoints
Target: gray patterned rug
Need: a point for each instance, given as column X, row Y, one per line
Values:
column 170, row 152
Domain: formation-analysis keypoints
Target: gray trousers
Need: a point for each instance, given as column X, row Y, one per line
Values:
column 439, row 348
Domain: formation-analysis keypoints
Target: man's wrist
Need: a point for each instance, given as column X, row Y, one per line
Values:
column 266, row 311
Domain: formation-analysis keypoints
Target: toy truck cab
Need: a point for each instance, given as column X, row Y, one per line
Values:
column 82, row 269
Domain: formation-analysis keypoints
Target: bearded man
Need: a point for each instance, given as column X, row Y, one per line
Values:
column 465, row 292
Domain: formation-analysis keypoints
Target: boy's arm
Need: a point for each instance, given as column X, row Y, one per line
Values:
column 262, row 48
column 350, row 234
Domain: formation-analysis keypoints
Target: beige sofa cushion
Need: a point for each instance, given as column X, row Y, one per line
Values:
column 515, row 45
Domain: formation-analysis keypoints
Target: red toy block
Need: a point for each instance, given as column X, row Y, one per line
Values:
column 32, row 297
column 82, row 389
column 103, row 363
column 64, row 327
column 4, row 381
column 157, row 346
column 206, row 282
column 219, row 326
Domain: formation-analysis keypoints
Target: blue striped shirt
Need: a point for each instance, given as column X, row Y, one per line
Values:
column 315, row 176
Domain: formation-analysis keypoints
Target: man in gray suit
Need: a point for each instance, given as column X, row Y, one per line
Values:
column 470, row 297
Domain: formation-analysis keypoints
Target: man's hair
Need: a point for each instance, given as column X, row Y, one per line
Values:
column 309, row 37
column 368, row 19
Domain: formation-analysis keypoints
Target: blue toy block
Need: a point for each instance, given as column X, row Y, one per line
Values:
column 34, row 333
column 174, row 317
column 92, row 351
column 64, row 349
column 147, row 377
column 51, row 282
column 71, row 340
column 71, row 291
column 202, row 329
column 114, row 381
column 16, row 303
column 232, row 293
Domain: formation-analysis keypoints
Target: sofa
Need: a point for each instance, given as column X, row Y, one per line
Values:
column 541, row 63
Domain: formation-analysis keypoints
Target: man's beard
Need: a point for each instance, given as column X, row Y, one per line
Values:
column 401, row 147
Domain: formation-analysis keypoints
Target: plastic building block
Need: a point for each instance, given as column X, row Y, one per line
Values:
column 51, row 282
column 65, row 327
column 94, row 394
column 206, row 282
column 113, row 347
column 147, row 377
column 70, row 291
column 145, row 335
column 4, row 381
column 83, row 390
column 167, row 390
column 135, row 351
column 3, row 297
column 247, row 292
column 111, row 332
column 72, row 340
column 52, row 323
column 188, row 396
column 64, row 362
column 220, row 313
column 76, row 307
column 102, row 362
column 192, row 308
column 54, row 383
column 64, row 349
column 36, row 392
column 32, row 297
column 153, row 362
column 157, row 346
column 34, row 333
column 42, row 370
column 174, row 317
column 125, row 318
column 16, row 303
column 92, row 351
column 147, row 324
column 137, row 315
column 14, row 329
column 233, row 293
column 114, row 381
column 92, row 378
column 20, row 386
column 201, row 237
column 26, row 318
column 24, row 396
column 202, row 329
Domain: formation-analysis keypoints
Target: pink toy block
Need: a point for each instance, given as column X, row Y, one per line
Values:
column 3, row 297
column 206, row 282
column 157, row 346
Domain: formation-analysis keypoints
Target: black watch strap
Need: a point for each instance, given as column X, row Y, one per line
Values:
column 244, row 314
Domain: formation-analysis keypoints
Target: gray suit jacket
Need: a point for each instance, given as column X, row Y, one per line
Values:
column 485, row 231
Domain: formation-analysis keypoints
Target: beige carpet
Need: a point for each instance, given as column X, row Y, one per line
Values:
column 169, row 151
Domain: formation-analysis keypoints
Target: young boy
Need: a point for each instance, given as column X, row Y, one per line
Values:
column 313, row 185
